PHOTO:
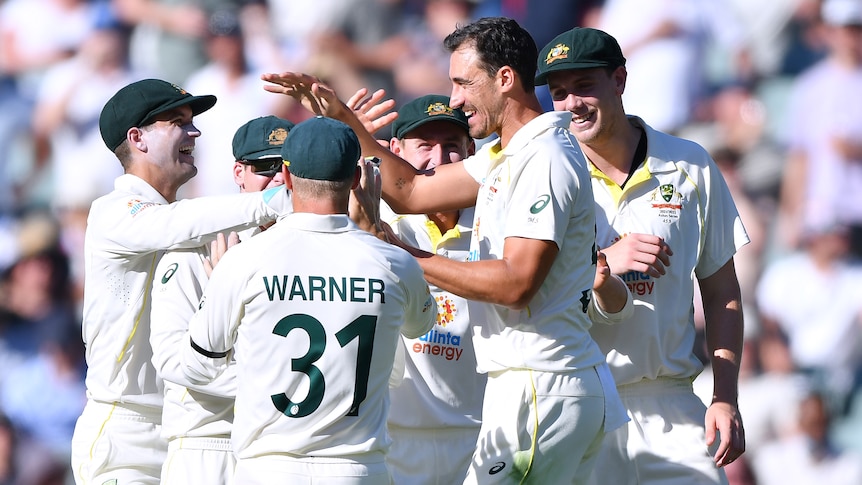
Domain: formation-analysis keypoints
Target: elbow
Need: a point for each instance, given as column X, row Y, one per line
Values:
column 517, row 299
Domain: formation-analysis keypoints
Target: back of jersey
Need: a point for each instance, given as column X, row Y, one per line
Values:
column 317, row 338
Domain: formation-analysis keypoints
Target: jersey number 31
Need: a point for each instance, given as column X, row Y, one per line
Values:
column 362, row 328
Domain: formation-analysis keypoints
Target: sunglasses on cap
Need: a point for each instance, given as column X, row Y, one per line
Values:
column 268, row 167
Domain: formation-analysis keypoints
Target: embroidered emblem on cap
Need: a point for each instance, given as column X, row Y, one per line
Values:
column 277, row 136
column 438, row 109
column 560, row 51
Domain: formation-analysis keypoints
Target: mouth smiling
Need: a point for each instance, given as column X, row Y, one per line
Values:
column 582, row 119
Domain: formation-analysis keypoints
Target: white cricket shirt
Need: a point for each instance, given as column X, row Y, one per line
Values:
column 189, row 410
column 537, row 188
column 440, row 388
column 313, row 309
column 680, row 195
column 127, row 232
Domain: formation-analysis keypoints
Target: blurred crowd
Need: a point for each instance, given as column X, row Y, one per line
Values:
column 770, row 88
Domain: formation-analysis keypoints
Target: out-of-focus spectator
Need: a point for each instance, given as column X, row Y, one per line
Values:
column 41, row 353
column 823, row 180
column 423, row 67
column 808, row 456
column 34, row 34
column 240, row 98
column 65, row 124
column 735, row 118
column 813, row 298
column 168, row 36
column 360, row 47
column 663, row 42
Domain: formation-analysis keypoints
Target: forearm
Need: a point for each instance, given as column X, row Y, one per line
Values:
column 487, row 281
column 722, row 306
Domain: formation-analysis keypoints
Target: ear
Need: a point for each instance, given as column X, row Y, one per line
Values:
column 471, row 147
column 506, row 77
column 356, row 176
column 395, row 146
column 238, row 173
column 288, row 182
column 619, row 76
column 135, row 137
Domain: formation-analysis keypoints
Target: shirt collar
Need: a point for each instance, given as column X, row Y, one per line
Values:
column 138, row 186
column 307, row 221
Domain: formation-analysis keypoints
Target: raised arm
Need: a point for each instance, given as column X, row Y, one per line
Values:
column 406, row 190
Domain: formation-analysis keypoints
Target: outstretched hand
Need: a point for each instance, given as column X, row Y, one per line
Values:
column 317, row 97
column 373, row 111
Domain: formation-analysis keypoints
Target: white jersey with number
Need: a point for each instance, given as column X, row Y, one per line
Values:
column 680, row 195
column 537, row 188
column 312, row 310
column 189, row 411
column 441, row 388
column 127, row 232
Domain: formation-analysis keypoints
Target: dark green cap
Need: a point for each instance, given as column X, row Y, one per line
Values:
column 321, row 149
column 260, row 138
column 433, row 107
column 579, row 48
column 138, row 103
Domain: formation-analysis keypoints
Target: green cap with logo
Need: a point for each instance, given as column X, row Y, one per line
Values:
column 579, row 48
column 260, row 138
column 138, row 103
column 433, row 107
column 321, row 149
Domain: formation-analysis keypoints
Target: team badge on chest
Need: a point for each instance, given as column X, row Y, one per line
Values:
column 667, row 202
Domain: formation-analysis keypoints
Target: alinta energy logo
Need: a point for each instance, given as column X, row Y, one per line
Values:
column 440, row 342
column 445, row 310
column 137, row 205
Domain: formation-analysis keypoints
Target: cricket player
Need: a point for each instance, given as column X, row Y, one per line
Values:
column 314, row 330
column 665, row 218
column 436, row 410
column 148, row 125
column 197, row 420
column 532, row 277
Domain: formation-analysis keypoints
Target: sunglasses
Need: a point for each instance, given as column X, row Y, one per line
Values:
column 267, row 168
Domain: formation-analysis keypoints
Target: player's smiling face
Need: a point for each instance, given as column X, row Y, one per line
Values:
column 248, row 179
column 591, row 95
column 433, row 144
column 475, row 92
column 170, row 142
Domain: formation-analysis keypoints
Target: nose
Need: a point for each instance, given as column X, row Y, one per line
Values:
column 573, row 101
column 193, row 130
column 277, row 179
column 456, row 98
column 438, row 156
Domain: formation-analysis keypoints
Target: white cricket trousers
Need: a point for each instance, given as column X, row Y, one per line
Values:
column 199, row 460
column 277, row 469
column 664, row 443
column 120, row 442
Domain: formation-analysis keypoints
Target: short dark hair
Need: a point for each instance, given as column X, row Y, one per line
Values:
column 499, row 41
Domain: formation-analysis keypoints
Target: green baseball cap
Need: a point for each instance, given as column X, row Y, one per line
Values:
column 260, row 138
column 433, row 107
column 138, row 103
column 579, row 48
column 321, row 149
